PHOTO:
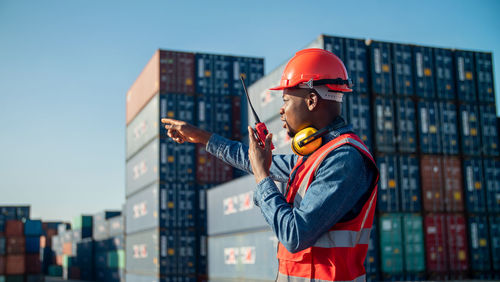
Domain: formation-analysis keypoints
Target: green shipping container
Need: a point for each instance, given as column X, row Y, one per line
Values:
column 413, row 238
column 391, row 243
column 14, row 278
column 2, row 278
column 82, row 221
column 116, row 259
column 55, row 270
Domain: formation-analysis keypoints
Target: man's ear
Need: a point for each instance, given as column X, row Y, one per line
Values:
column 312, row 101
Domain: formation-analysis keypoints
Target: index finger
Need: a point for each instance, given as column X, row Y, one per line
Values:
column 171, row 121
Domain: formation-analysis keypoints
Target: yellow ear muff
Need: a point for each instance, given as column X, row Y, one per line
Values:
column 308, row 148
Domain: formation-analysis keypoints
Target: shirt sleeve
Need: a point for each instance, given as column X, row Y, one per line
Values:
column 341, row 181
column 235, row 154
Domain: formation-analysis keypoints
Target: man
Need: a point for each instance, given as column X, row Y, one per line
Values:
column 324, row 218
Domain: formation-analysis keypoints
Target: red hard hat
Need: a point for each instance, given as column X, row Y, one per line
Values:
column 315, row 67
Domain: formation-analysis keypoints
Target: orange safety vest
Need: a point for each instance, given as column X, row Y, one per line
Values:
column 339, row 254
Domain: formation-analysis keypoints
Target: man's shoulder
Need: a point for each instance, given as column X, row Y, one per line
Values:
column 347, row 155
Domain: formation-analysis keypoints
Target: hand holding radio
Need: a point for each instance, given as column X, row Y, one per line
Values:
column 260, row 156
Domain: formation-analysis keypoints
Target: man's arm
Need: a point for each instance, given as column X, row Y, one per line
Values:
column 342, row 179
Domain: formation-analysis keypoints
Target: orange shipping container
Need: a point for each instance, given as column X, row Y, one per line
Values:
column 15, row 245
column 14, row 264
column 67, row 248
column 432, row 183
column 33, row 264
column 14, row 228
column 166, row 71
column 2, row 265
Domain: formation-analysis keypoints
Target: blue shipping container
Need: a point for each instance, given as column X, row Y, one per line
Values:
column 474, row 186
column 409, row 184
column 479, row 243
column 406, row 126
column 2, row 246
column 489, row 130
column 445, row 78
column 381, row 68
column 385, row 140
column 449, row 128
column 101, row 259
column 359, row 115
column 214, row 74
column 2, row 223
column 494, row 222
column 187, row 251
column 403, row 69
column 372, row 261
column 466, row 86
column 469, row 131
column 186, row 205
column 423, row 58
column 388, row 192
column 484, row 77
column 355, row 60
column 32, row 245
column 33, row 228
column 429, row 130
column 252, row 69
column 492, row 183
column 9, row 213
column 85, row 253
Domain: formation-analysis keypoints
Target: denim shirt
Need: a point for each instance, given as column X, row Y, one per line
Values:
column 336, row 194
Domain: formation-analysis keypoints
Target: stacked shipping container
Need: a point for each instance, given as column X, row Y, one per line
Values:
column 164, row 211
column 428, row 114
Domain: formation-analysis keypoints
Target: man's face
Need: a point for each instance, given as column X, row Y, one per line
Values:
column 294, row 112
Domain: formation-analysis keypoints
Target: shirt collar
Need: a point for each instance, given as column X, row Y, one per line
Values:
column 337, row 132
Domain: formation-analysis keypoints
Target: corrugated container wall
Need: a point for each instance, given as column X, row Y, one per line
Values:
column 381, row 68
column 453, row 184
column 484, row 77
column 448, row 124
column 494, row 223
column 385, row 131
column 432, row 183
column 358, row 114
column 423, row 58
column 403, row 69
column 413, row 238
column 474, row 186
column 356, row 58
column 409, row 183
column 388, row 191
column 445, row 76
column 435, row 241
column 489, row 134
column 429, row 130
column 464, row 66
column 456, row 230
column 492, row 184
column 469, row 131
column 214, row 74
column 406, row 126
column 391, row 243
column 479, row 243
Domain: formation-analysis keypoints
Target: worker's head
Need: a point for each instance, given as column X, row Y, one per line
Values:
column 313, row 83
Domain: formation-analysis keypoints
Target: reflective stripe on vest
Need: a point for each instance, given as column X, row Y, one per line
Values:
column 287, row 278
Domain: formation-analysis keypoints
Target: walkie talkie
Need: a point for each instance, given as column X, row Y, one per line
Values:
column 260, row 131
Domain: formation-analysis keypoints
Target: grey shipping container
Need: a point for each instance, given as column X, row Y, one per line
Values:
column 403, row 69
column 214, row 74
column 151, row 252
column 484, row 77
column 147, row 124
column 430, row 133
column 385, row 139
column 358, row 114
column 406, row 125
column 479, row 243
column 489, row 131
column 388, row 192
column 409, row 183
column 381, row 67
column 448, row 124
column 423, row 58
column 469, row 130
column 116, row 226
column 464, row 66
column 474, row 186
column 492, row 182
column 445, row 76
column 231, row 207
column 153, row 207
column 243, row 257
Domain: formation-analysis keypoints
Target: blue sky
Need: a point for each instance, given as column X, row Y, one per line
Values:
column 65, row 67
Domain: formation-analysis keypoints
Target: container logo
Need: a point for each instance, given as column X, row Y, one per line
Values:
column 243, row 255
column 140, row 169
column 140, row 251
column 238, row 203
column 140, row 209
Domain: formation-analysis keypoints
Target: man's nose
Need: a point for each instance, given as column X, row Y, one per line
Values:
column 282, row 110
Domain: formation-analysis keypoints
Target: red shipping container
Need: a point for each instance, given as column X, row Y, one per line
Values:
column 456, row 230
column 2, row 265
column 223, row 172
column 435, row 242
column 33, row 264
column 67, row 248
column 432, row 183
column 74, row 272
column 236, row 118
column 15, row 245
column 167, row 71
column 205, row 165
column 453, row 185
column 14, row 228
column 14, row 264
